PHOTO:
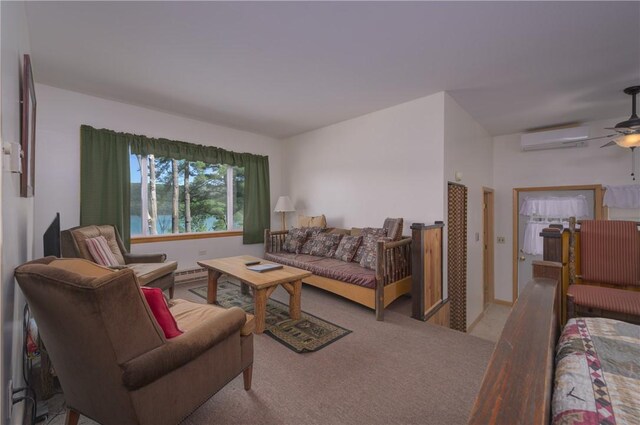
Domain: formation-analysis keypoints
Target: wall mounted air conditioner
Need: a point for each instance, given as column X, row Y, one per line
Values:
column 553, row 139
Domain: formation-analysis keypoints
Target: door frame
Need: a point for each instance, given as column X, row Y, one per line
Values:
column 598, row 213
column 488, row 253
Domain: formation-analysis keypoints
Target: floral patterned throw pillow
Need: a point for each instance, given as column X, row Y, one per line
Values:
column 325, row 244
column 347, row 248
column 369, row 237
column 311, row 233
column 294, row 240
column 370, row 256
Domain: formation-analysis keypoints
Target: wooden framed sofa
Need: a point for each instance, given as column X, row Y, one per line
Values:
column 374, row 288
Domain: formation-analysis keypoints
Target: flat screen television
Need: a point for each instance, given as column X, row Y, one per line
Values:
column 51, row 238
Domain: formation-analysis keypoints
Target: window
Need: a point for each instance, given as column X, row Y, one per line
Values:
column 171, row 196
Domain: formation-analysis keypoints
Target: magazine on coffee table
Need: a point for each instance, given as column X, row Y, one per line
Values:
column 264, row 267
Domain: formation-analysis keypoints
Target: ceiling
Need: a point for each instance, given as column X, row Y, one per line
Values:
column 285, row 68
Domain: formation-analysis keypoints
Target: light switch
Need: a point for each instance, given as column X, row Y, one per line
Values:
column 12, row 154
column 477, row 236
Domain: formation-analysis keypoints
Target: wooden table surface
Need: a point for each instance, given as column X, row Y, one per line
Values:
column 263, row 284
column 235, row 267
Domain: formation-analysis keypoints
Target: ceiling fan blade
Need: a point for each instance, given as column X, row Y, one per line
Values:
column 620, row 130
column 611, row 143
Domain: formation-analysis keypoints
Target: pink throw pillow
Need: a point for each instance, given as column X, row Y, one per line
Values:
column 161, row 311
column 99, row 249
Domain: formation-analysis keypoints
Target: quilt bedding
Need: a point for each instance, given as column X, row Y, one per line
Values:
column 597, row 379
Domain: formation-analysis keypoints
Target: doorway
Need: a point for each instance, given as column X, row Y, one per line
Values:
column 487, row 245
column 524, row 232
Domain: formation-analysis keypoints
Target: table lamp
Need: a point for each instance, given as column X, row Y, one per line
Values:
column 284, row 205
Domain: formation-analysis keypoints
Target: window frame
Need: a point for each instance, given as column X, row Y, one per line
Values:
column 138, row 239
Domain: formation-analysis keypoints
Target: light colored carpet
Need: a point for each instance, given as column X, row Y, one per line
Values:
column 492, row 322
column 399, row 371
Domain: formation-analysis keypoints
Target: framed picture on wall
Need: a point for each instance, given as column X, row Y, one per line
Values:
column 28, row 130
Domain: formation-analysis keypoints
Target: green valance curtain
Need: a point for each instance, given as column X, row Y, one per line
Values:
column 257, row 204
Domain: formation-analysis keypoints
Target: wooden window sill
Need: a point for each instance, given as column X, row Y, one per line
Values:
column 184, row 236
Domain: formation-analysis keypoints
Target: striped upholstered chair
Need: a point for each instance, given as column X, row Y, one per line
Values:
column 609, row 267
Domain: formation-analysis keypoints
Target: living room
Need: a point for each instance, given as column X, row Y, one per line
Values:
column 389, row 153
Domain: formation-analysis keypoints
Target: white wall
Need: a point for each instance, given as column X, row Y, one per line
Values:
column 576, row 166
column 468, row 149
column 60, row 114
column 395, row 163
column 384, row 164
column 17, row 212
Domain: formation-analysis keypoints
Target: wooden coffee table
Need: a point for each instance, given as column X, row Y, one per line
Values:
column 263, row 284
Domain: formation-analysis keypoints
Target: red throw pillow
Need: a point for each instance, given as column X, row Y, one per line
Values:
column 161, row 312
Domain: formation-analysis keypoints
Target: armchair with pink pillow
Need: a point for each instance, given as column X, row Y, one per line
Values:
column 102, row 245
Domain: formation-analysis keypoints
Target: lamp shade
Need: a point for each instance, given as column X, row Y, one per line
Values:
column 629, row 141
column 284, row 204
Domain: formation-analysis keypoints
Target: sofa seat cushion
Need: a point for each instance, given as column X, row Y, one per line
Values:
column 293, row 260
column 327, row 267
column 609, row 299
column 148, row 272
column 189, row 315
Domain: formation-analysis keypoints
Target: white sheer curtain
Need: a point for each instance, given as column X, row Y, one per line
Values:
column 626, row 197
column 556, row 207
column 550, row 207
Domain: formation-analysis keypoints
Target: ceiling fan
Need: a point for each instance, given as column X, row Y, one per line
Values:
column 627, row 133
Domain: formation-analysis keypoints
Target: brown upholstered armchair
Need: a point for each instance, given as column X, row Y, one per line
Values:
column 111, row 357
column 151, row 269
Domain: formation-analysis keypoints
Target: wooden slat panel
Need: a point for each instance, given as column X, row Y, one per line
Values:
column 426, row 268
column 432, row 267
column 441, row 316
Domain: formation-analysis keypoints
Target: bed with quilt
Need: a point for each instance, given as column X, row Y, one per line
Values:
column 597, row 378
column 586, row 373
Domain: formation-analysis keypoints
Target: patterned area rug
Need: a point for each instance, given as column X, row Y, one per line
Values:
column 310, row 333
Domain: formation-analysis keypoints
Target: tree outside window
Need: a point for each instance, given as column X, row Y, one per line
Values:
column 177, row 196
